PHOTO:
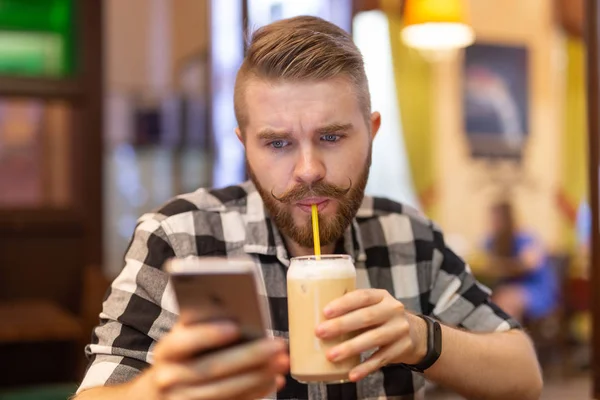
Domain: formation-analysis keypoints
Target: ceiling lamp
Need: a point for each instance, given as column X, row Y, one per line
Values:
column 436, row 25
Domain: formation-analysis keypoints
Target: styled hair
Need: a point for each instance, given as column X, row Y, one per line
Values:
column 301, row 49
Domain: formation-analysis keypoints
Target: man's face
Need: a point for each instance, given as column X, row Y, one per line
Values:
column 308, row 143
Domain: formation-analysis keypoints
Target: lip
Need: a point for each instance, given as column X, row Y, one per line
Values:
column 306, row 204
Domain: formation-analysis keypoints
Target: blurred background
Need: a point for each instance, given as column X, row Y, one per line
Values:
column 109, row 108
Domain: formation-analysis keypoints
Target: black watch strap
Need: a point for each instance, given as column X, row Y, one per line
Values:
column 434, row 345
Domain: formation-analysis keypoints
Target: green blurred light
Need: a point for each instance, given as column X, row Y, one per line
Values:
column 37, row 37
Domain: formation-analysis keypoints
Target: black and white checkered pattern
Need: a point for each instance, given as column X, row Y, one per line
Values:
column 394, row 248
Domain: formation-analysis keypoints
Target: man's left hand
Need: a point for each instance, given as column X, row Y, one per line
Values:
column 379, row 322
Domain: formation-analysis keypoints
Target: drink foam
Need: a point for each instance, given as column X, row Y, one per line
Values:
column 333, row 268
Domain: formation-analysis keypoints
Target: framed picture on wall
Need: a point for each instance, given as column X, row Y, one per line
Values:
column 496, row 100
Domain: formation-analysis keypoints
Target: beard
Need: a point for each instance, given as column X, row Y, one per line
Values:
column 331, row 228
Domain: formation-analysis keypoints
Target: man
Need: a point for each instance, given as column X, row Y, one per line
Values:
column 303, row 110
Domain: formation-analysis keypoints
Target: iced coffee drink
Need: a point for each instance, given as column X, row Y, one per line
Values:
column 312, row 284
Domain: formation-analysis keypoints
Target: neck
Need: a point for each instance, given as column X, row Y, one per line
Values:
column 295, row 250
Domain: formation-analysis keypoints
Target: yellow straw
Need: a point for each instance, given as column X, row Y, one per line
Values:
column 315, row 224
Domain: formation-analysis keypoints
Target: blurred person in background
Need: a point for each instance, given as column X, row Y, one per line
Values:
column 526, row 285
column 584, row 238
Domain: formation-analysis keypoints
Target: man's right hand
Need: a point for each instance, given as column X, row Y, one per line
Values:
column 246, row 371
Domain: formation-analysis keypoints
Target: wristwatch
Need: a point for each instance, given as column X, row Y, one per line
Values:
column 434, row 346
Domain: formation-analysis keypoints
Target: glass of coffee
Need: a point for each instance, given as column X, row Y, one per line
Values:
column 312, row 283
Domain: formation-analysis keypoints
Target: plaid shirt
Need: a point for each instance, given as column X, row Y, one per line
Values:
column 394, row 248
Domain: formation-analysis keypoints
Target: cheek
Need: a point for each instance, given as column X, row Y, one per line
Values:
column 346, row 164
column 270, row 171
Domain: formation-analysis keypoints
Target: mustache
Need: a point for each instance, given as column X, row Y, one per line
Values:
column 318, row 189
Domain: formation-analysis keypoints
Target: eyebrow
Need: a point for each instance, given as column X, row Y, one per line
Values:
column 270, row 134
column 333, row 128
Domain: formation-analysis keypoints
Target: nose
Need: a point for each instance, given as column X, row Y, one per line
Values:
column 310, row 167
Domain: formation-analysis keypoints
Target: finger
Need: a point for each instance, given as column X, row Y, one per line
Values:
column 223, row 363
column 281, row 363
column 280, row 381
column 237, row 359
column 186, row 341
column 354, row 321
column 262, row 391
column 353, row 300
column 371, row 339
column 378, row 360
column 176, row 374
column 235, row 387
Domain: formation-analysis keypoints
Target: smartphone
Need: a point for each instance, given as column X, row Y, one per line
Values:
column 217, row 288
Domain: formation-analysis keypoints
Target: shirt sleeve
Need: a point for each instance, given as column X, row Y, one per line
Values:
column 134, row 315
column 458, row 299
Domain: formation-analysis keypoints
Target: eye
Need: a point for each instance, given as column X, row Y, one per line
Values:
column 278, row 144
column 330, row 138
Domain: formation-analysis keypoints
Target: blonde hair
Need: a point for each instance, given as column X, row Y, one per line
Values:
column 297, row 49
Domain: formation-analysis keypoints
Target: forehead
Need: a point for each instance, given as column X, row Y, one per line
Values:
column 290, row 103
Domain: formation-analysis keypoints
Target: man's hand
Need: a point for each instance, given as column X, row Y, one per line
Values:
column 379, row 321
column 248, row 371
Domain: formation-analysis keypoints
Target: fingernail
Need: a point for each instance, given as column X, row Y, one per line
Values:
column 321, row 330
column 280, row 382
column 327, row 311
column 354, row 376
column 334, row 354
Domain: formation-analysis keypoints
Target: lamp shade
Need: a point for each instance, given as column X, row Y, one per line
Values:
column 437, row 24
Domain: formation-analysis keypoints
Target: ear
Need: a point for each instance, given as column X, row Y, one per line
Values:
column 238, row 133
column 375, row 124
